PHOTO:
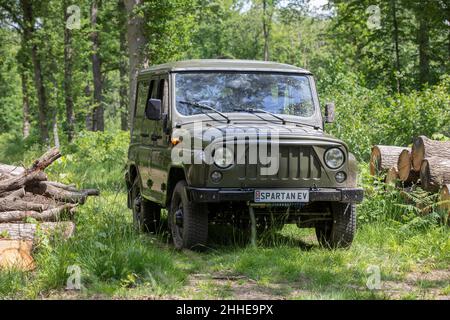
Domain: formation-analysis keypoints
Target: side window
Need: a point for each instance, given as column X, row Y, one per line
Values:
column 141, row 100
column 163, row 94
column 154, row 90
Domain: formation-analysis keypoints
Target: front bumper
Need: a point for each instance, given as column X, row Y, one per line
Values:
column 211, row 195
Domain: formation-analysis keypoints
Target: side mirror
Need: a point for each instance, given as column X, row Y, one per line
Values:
column 153, row 109
column 329, row 113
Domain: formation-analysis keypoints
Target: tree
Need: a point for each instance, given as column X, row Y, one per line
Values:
column 136, row 44
column 123, row 66
column 68, row 72
column 98, row 112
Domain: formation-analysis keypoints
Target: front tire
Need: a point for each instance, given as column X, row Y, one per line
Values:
column 340, row 232
column 188, row 220
column 146, row 214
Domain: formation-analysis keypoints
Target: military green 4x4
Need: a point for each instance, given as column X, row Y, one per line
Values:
column 237, row 142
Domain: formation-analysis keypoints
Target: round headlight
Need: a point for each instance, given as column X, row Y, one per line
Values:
column 334, row 158
column 223, row 157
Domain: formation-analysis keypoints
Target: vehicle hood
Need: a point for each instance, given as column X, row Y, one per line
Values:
column 288, row 132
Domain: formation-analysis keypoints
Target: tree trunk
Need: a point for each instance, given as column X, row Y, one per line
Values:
column 28, row 34
column 396, row 44
column 383, row 158
column 98, row 113
column 267, row 20
column 55, row 130
column 88, row 119
column 25, row 106
column 27, row 231
column 123, row 66
column 434, row 173
column 136, row 46
column 423, row 40
column 426, row 148
column 68, row 72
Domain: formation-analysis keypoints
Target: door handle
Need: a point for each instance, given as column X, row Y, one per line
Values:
column 156, row 137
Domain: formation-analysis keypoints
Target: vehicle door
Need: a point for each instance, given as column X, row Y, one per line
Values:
column 161, row 151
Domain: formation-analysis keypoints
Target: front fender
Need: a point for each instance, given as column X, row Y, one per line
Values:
column 352, row 170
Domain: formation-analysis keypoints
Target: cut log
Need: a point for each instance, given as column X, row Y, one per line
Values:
column 47, row 215
column 13, row 195
column 445, row 199
column 57, row 185
column 57, row 194
column 7, row 205
column 16, row 254
column 404, row 165
column 11, row 170
column 424, row 148
column 27, row 231
column 383, row 158
column 391, row 176
column 21, row 181
column 434, row 173
column 68, row 187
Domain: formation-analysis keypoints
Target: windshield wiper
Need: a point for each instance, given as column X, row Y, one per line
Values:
column 254, row 111
column 205, row 107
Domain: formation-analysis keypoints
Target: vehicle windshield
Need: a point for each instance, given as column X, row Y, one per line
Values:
column 283, row 94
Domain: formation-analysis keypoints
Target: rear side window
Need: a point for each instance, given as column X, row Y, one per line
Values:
column 141, row 101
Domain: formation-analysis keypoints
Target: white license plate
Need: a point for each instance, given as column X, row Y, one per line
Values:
column 279, row 195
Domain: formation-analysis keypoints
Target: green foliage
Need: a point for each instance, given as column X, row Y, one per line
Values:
column 366, row 117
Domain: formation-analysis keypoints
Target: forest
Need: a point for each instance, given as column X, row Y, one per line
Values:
column 68, row 79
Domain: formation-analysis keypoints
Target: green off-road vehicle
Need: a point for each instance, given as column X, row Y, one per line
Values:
column 241, row 143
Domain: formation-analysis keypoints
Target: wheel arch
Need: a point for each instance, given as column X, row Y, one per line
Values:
column 176, row 174
column 130, row 176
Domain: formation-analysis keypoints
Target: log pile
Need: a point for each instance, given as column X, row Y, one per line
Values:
column 426, row 164
column 31, row 206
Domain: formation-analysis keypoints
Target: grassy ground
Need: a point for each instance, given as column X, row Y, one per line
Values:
column 413, row 258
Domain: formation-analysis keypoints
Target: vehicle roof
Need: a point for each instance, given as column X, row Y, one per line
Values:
column 224, row 65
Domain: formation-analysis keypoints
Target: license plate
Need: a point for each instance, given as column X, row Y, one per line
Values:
column 278, row 195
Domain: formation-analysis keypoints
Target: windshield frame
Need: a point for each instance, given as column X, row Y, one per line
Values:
column 315, row 118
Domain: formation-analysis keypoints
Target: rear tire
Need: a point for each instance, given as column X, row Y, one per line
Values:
column 188, row 220
column 146, row 214
column 340, row 232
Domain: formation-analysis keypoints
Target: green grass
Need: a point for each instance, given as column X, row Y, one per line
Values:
column 117, row 262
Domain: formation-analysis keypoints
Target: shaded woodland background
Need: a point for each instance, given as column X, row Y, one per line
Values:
column 65, row 67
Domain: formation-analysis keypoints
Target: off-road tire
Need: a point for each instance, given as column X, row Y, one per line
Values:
column 146, row 214
column 340, row 232
column 194, row 232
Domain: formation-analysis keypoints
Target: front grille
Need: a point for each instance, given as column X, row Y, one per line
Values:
column 296, row 162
